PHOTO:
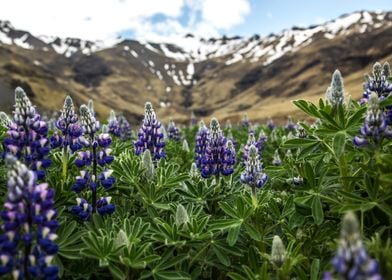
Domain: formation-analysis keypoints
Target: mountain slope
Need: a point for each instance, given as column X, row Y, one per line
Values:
column 224, row 77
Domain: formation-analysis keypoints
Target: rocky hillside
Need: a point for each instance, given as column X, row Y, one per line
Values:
column 224, row 77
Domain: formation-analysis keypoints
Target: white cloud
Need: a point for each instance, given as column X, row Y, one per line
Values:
column 104, row 19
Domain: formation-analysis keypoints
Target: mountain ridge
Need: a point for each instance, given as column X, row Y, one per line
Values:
column 190, row 76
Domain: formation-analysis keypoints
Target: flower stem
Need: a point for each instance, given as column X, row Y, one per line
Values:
column 94, row 179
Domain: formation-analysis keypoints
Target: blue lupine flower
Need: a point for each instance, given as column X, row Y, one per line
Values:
column 351, row 260
column 290, row 125
column 97, row 153
column 251, row 141
column 125, row 128
column 67, row 123
column 219, row 156
column 261, row 141
column 253, row 174
column 150, row 135
column 379, row 84
column 104, row 207
column 270, row 124
column 173, row 132
column 27, row 135
column 375, row 128
column 29, row 226
column 82, row 209
column 193, row 119
column 202, row 139
column 245, row 121
column 113, row 125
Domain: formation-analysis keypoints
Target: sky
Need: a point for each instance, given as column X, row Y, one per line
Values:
column 165, row 20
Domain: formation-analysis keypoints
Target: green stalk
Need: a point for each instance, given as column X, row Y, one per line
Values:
column 65, row 168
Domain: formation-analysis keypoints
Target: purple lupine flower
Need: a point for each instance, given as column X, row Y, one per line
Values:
column 253, row 174
column 150, row 135
column 351, row 260
column 251, row 141
column 172, row 131
column 270, row 124
column 125, row 128
column 193, row 121
column 27, row 136
column 219, row 156
column 202, row 139
column 29, row 226
column 104, row 207
column 97, row 153
column 379, row 84
column 71, row 131
column 290, row 125
column 261, row 141
column 113, row 125
column 375, row 128
column 245, row 121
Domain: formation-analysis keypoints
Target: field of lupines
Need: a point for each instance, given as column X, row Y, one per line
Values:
column 309, row 200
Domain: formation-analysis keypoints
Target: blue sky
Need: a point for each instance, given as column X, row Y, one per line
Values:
column 275, row 15
column 166, row 20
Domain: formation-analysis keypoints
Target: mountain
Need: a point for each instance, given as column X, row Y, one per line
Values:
column 224, row 77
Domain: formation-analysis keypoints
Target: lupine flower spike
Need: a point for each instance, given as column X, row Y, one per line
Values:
column 251, row 141
column 276, row 160
column 290, row 125
column 113, row 125
column 172, row 131
column 253, row 174
column 150, row 135
column 27, row 136
column 245, row 121
column 5, row 120
column 185, row 146
column 375, row 128
column 202, row 139
column 219, row 156
column 29, row 225
column 278, row 252
column 125, row 128
column 270, row 124
column 351, row 260
column 335, row 92
column 97, row 154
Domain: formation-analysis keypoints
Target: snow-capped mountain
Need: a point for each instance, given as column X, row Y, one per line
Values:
column 196, row 73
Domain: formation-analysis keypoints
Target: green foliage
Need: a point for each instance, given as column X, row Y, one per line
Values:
column 170, row 225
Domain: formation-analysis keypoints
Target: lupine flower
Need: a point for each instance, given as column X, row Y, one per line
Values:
column 301, row 133
column 71, row 131
column 113, row 125
column 202, row 139
column 230, row 137
column 253, row 174
column 219, row 156
column 193, row 119
column 278, row 252
column 290, row 125
column 185, row 146
column 194, row 171
column 276, row 160
column 125, row 128
column 182, row 216
column 351, row 260
column 97, row 153
column 29, row 226
column 335, row 92
column 262, row 140
column 173, row 132
column 27, row 136
column 148, row 165
column 150, row 135
column 5, row 120
column 379, row 84
column 298, row 180
column 90, row 106
column 270, row 124
column 375, row 128
column 104, row 207
column 251, row 141
column 245, row 121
